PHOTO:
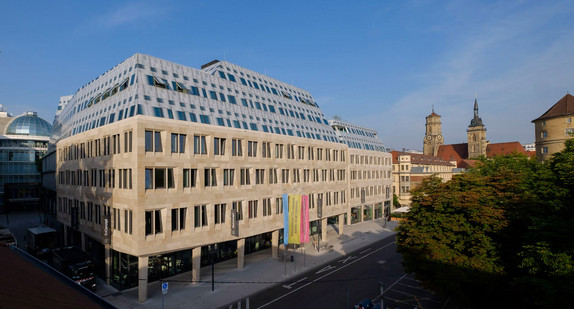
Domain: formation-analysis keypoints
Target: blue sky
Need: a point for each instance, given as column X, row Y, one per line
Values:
column 380, row 64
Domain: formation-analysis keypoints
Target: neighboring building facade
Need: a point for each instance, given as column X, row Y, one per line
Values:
column 23, row 142
column 167, row 155
column 410, row 169
column 433, row 134
column 476, row 136
column 554, row 127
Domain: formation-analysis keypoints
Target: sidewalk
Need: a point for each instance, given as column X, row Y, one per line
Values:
column 260, row 272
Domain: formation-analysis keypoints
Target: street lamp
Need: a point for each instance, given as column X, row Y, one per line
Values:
column 212, row 253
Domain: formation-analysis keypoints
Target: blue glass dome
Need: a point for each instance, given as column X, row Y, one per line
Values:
column 29, row 124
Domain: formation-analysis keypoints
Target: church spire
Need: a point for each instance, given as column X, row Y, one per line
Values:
column 476, row 121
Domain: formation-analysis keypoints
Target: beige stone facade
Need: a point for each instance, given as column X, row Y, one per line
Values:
column 554, row 127
column 169, row 198
column 410, row 169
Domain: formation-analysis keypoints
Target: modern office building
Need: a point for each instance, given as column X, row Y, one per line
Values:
column 554, row 127
column 23, row 141
column 159, row 164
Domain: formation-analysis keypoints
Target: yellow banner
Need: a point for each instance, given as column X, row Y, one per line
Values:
column 294, row 218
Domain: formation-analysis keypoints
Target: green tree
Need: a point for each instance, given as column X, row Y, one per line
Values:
column 501, row 234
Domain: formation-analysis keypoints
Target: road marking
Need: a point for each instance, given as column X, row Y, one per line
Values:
column 365, row 251
column 290, row 285
column 381, row 262
column 326, row 268
column 347, row 259
column 344, row 266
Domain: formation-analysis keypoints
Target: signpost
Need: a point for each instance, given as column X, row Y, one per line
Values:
column 164, row 287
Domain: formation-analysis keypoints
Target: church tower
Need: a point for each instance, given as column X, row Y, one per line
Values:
column 433, row 135
column 476, row 135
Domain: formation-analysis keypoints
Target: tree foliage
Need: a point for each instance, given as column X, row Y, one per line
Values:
column 501, row 234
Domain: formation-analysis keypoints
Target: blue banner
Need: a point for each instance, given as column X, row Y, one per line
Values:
column 285, row 219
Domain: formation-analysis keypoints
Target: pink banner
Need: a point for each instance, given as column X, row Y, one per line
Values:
column 304, row 218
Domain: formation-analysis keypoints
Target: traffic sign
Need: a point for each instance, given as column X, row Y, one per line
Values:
column 164, row 288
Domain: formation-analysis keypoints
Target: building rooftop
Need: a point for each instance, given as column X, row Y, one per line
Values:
column 27, row 283
column 29, row 124
column 563, row 107
column 420, row 158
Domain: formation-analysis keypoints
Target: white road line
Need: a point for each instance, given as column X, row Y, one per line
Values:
column 290, row 285
column 365, row 251
column 344, row 266
column 374, row 299
column 344, row 261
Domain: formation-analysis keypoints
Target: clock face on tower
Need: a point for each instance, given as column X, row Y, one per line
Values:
column 429, row 137
column 439, row 137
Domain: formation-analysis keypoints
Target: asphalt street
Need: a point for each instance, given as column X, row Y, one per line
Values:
column 345, row 282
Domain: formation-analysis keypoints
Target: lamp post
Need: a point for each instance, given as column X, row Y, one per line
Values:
column 212, row 253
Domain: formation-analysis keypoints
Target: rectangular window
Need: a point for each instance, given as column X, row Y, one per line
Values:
column 200, row 216
column 272, row 175
column 210, row 178
column 228, row 175
column 245, row 179
column 266, row 207
column 279, row 151
column 290, row 152
column 153, row 224
column 219, row 213
column 178, row 219
column 259, row 176
column 266, row 150
column 219, row 146
column 278, row 205
column 251, row 149
column 238, row 207
column 199, row 144
column 285, row 175
column 252, row 209
column 236, row 149
column 178, row 143
column 189, row 177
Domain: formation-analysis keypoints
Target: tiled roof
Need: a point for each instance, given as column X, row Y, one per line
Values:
column 563, row 107
column 459, row 152
column 453, row 152
column 501, row 149
column 419, row 158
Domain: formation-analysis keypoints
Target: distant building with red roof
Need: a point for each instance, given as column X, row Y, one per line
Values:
column 409, row 170
column 554, row 127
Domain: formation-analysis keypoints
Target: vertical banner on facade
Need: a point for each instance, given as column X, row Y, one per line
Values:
column 285, row 219
column 234, row 223
column 106, row 230
column 294, row 218
column 304, row 219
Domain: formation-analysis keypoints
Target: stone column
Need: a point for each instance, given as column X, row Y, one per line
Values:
column 275, row 244
column 240, row 253
column 143, row 263
column 195, row 264
column 108, row 261
column 65, row 235
column 83, row 241
column 341, row 223
column 324, row 229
